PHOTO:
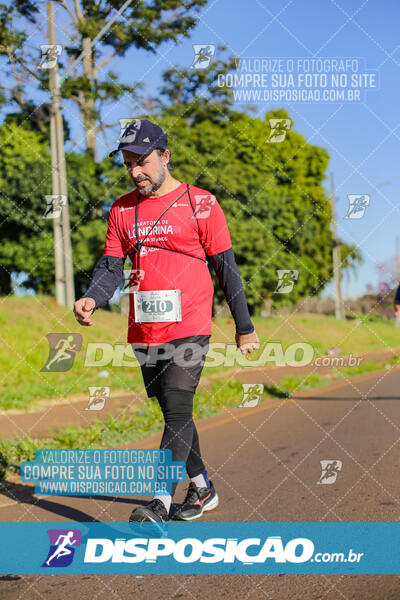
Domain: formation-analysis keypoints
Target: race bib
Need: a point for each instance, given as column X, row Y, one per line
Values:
column 157, row 306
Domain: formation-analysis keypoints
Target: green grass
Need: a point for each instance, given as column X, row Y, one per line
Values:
column 292, row 384
column 312, row 380
column 144, row 420
column 24, row 349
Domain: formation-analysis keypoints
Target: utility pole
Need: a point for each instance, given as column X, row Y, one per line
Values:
column 65, row 291
column 337, row 263
column 57, row 227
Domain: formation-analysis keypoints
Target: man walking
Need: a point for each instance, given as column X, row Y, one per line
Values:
column 168, row 229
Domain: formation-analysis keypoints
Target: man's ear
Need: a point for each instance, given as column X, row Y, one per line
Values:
column 165, row 157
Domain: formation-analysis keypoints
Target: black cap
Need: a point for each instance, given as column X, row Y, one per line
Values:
column 142, row 137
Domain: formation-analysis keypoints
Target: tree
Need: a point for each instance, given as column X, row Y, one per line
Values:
column 194, row 95
column 145, row 24
column 23, row 161
column 272, row 194
column 277, row 208
column 13, row 38
column 27, row 238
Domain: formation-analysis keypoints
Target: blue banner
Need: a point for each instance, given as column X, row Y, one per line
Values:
column 208, row 548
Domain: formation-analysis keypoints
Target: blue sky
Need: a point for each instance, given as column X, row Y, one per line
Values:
column 363, row 138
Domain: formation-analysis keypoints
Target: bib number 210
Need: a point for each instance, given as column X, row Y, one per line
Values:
column 157, row 306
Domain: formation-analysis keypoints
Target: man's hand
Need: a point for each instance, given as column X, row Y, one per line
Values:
column 83, row 308
column 247, row 342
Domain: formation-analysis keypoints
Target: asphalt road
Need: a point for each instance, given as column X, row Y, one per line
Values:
column 265, row 464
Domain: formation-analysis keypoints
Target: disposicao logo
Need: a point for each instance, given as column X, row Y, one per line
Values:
column 62, row 547
column 190, row 550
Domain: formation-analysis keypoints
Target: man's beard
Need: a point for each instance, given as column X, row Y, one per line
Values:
column 152, row 185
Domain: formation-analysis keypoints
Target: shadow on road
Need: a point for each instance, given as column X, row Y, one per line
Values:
column 24, row 494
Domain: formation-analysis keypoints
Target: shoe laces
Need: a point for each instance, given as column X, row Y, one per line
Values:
column 191, row 494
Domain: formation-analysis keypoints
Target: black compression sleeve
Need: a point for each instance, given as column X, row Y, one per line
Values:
column 397, row 297
column 107, row 276
column 228, row 274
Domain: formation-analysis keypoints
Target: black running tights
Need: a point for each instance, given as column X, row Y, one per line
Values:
column 180, row 433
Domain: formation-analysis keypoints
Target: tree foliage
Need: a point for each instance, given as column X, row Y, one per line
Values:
column 145, row 24
column 27, row 237
column 272, row 194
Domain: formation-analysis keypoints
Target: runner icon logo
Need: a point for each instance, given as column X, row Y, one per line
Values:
column 251, row 394
column 330, row 471
column 54, row 206
column 203, row 205
column 129, row 130
column 279, row 128
column 203, row 54
column 132, row 280
column 287, row 278
column 62, row 547
column 97, row 397
column 124, row 124
column 62, row 351
column 50, row 54
column 357, row 205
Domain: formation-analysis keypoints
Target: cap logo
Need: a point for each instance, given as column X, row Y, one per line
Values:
column 146, row 140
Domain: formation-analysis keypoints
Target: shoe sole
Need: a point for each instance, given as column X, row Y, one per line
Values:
column 210, row 506
column 142, row 517
column 150, row 529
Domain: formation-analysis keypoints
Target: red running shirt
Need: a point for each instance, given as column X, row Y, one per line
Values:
column 159, row 268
